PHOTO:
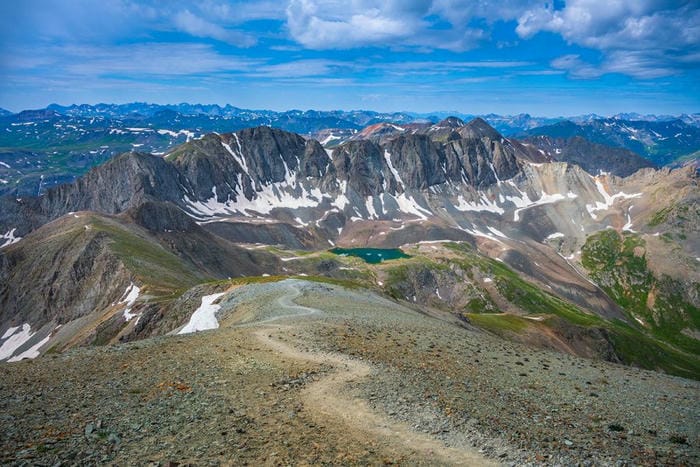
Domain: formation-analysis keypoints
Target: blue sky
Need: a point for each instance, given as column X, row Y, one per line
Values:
column 472, row 56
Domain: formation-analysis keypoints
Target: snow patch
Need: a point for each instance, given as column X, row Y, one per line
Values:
column 276, row 195
column 484, row 204
column 478, row 233
column 16, row 339
column 292, row 258
column 496, row 232
column 129, row 297
column 204, row 317
column 409, row 205
column 555, row 235
column 394, row 172
column 369, row 205
column 9, row 332
column 238, row 157
column 188, row 134
column 32, row 352
column 524, row 202
column 9, row 238
column 608, row 200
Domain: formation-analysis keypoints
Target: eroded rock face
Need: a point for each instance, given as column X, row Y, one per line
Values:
column 122, row 183
column 419, row 161
column 361, row 164
column 236, row 165
column 481, row 162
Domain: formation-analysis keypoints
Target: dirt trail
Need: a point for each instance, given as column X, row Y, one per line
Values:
column 327, row 398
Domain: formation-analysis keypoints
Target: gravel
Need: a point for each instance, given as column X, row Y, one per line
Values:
column 221, row 396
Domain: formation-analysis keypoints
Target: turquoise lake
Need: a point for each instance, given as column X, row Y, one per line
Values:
column 371, row 255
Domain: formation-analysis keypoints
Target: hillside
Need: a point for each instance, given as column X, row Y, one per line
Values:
column 308, row 372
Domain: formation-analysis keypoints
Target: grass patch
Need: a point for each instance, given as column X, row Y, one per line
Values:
column 618, row 263
column 499, row 323
column 162, row 270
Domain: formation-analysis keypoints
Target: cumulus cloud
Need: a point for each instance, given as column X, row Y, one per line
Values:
column 436, row 24
column 324, row 25
column 643, row 38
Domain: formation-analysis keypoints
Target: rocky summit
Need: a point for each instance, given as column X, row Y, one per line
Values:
column 492, row 301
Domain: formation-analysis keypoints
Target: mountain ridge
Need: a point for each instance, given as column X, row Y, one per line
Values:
column 456, row 182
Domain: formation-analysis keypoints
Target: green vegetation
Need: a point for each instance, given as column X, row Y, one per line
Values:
column 162, row 270
column 636, row 348
column 606, row 252
column 499, row 323
column 529, row 297
column 659, row 217
column 618, row 263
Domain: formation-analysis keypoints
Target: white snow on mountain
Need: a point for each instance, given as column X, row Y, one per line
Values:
column 204, row 317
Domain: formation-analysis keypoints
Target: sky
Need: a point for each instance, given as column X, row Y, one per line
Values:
column 546, row 58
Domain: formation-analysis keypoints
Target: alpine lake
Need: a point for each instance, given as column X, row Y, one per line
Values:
column 371, row 255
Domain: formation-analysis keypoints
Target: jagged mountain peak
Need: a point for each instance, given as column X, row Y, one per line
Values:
column 450, row 122
column 479, row 128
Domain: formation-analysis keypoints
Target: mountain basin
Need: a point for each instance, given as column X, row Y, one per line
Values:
column 371, row 255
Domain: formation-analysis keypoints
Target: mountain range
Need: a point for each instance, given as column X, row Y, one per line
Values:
column 542, row 229
column 48, row 147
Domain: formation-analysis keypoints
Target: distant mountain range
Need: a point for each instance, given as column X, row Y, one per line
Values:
column 661, row 142
column 506, row 124
column 47, row 147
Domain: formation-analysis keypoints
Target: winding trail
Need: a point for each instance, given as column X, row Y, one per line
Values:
column 328, row 400
column 285, row 302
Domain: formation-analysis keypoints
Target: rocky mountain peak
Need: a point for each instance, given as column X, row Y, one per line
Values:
column 478, row 128
column 123, row 182
column 451, row 122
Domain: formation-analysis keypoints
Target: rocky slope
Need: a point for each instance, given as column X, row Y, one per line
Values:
column 302, row 372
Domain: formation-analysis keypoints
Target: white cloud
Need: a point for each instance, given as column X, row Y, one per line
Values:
column 199, row 27
column 242, row 11
column 637, row 64
column 327, row 25
column 147, row 59
column 641, row 38
column 436, row 24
